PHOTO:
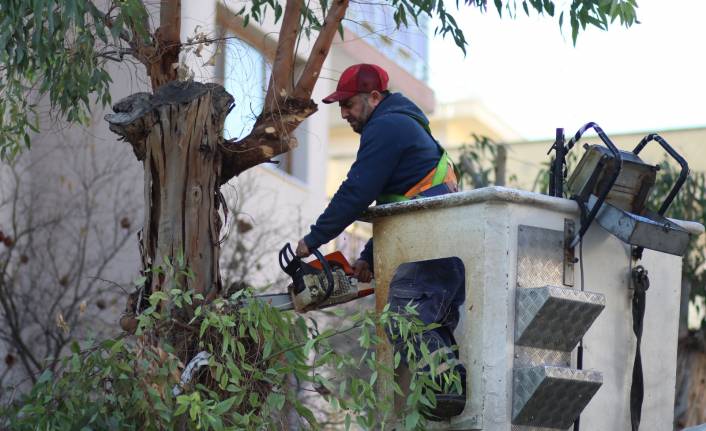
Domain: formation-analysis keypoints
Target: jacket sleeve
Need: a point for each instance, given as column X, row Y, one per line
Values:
column 377, row 158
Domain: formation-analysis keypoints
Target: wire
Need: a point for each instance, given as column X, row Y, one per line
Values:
column 581, row 262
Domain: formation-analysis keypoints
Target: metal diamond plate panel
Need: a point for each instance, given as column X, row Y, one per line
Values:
column 539, row 263
column 554, row 318
column 552, row 397
column 540, row 256
column 548, row 394
column 531, row 356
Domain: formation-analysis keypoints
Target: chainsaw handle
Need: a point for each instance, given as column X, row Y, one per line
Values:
column 286, row 257
column 327, row 271
column 676, row 156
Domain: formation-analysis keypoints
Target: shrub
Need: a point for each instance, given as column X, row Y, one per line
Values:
column 253, row 352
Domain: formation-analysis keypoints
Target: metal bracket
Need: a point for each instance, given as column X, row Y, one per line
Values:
column 569, row 256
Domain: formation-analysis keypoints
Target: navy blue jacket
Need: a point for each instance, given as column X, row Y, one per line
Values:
column 395, row 153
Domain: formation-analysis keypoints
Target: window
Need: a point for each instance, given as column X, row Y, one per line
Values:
column 407, row 47
column 246, row 75
column 245, row 78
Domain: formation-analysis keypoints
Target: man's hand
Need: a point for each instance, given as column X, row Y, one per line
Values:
column 302, row 249
column 361, row 271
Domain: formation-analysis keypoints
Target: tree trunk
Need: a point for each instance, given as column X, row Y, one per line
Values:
column 691, row 382
column 690, row 396
column 177, row 133
column 501, row 165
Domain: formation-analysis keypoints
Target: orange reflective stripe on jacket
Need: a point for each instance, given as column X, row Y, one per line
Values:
column 443, row 173
column 427, row 182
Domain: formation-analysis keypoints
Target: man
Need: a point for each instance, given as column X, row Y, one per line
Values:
column 398, row 159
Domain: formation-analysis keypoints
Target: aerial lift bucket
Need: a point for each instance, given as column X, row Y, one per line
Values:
column 546, row 328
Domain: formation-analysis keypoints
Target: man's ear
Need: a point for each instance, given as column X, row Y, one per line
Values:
column 375, row 97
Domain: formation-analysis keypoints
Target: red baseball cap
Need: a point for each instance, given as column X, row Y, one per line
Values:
column 359, row 78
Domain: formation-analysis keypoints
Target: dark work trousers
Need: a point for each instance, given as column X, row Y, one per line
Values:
column 436, row 288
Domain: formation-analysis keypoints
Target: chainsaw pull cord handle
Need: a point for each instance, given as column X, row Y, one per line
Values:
column 676, row 156
column 327, row 271
column 603, row 193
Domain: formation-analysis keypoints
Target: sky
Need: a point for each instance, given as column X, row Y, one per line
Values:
column 650, row 77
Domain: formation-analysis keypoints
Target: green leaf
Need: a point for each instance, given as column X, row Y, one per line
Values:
column 75, row 363
column 276, row 400
column 305, row 413
column 224, row 406
column 117, row 346
column 75, row 348
column 549, row 6
column 46, row 376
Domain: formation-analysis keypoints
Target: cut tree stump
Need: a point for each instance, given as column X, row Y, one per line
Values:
column 177, row 134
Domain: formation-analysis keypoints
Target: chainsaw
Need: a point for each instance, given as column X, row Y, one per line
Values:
column 324, row 282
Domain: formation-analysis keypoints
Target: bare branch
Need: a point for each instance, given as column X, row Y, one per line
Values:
column 281, row 81
column 271, row 136
column 170, row 20
column 311, row 72
column 50, row 269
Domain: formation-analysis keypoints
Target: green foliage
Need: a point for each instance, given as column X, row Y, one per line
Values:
column 689, row 204
column 254, row 353
column 481, row 164
column 404, row 12
column 581, row 13
column 60, row 49
column 57, row 49
column 475, row 163
column 541, row 181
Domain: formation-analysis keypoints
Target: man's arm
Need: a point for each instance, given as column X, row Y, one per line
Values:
column 377, row 158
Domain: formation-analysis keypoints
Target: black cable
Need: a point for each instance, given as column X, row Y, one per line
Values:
column 641, row 283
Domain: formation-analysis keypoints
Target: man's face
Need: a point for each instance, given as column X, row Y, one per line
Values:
column 357, row 109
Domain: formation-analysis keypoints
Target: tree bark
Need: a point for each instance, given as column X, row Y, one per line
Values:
column 282, row 80
column 271, row 136
column 177, row 133
column 159, row 52
column 500, row 165
column 319, row 52
column 691, row 381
